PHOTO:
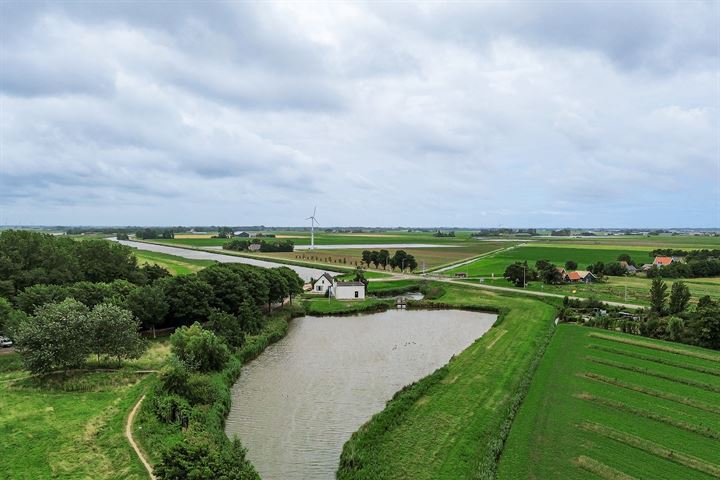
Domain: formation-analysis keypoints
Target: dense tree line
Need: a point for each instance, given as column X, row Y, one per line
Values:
column 29, row 258
column 440, row 234
column 382, row 258
column 151, row 233
column 241, row 245
column 691, row 269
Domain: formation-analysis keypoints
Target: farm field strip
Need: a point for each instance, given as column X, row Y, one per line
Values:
column 618, row 407
column 174, row 264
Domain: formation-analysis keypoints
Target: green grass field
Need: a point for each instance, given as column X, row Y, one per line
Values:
column 174, row 264
column 448, row 427
column 555, row 253
column 70, row 426
column 614, row 288
column 615, row 406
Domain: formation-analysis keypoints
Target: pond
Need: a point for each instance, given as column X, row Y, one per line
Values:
column 297, row 404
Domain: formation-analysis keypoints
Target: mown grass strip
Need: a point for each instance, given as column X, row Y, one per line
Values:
column 600, row 469
column 652, row 358
column 654, row 393
column 644, row 371
column 652, row 346
column 653, row 448
column 624, row 407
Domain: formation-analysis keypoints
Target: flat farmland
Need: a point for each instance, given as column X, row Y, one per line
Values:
column 174, row 264
column 554, row 252
column 615, row 288
column 432, row 257
column 616, row 406
column 687, row 242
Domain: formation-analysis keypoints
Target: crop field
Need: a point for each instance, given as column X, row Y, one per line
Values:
column 322, row 238
column 174, row 264
column 615, row 288
column 431, row 257
column 653, row 241
column 447, row 425
column 555, row 253
column 70, row 426
column 615, row 406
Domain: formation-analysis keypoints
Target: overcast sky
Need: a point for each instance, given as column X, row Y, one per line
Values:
column 467, row 114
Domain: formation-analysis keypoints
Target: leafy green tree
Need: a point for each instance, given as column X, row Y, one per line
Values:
column 615, row 269
column 551, row 275
column 153, row 272
column 229, row 290
column 679, row 298
column 278, row 287
column 198, row 457
column 40, row 294
column 705, row 301
column 658, row 296
column 571, row 265
column 199, row 349
column 367, row 257
column 227, row 327
column 294, row 282
column 542, row 265
column 148, row 305
column 383, row 258
column 89, row 293
column 705, row 327
column 516, row 273
column 255, row 281
column 624, row 257
column 114, row 333
column 187, row 298
column 57, row 337
column 102, row 261
column 374, row 258
column 675, row 327
column 598, row 269
column 410, row 262
column 6, row 309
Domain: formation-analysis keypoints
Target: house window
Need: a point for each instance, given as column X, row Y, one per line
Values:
column 357, row 294
column 319, row 288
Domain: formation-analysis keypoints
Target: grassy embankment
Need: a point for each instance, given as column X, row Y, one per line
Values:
column 616, row 406
column 451, row 424
column 174, row 264
column 71, row 425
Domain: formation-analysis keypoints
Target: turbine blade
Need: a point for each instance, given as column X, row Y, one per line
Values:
column 314, row 210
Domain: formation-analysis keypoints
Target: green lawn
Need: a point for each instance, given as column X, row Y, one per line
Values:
column 174, row 264
column 609, row 405
column 71, row 426
column 444, row 430
column 614, row 288
column 555, row 253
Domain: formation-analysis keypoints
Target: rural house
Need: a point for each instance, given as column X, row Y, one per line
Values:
column 581, row 276
column 663, row 261
column 323, row 284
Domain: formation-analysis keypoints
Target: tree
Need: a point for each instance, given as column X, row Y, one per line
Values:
column 598, row 269
column 658, row 296
column 679, row 298
column 705, row 327
column 675, row 327
column 114, row 332
column 294, row 282
column 624, row 257
column 516, row 273
column 571, row 265
column 399, row 259
column 278, row 287
column 89, row 293
column 614, row 268
column 148, row 305
column 410, row 262
column 705, row 301
column 227, row 327
column 374, row 258
column 153, row 271
column 551, row 275
column 5, row 311
column 38, row 295
column 229, row 290
column 255, row 280
column 383, row 258
column 367, row 257
column 57, row 337
column 187, row 298
column 199, row 349
column 542, row 265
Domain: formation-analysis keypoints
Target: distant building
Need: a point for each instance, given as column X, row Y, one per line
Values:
column 244, row 234
column 646, row 266
column 631, row 269
column 663, row 261
column 581, row 276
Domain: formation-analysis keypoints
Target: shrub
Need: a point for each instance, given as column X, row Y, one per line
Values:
column 171, row 408
column 114, row 332
column 201, row 390
column 174, row 377
column 199, row 349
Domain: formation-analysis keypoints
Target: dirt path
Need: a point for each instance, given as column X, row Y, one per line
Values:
column 129, row 436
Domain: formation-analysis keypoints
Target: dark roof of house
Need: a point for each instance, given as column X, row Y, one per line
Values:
column 326, row 275
column 350, row 284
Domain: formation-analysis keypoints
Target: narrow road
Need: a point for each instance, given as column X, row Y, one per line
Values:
column 131, row 440
column 306, row 273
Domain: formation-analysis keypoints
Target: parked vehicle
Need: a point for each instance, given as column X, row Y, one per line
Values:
column 5, row 342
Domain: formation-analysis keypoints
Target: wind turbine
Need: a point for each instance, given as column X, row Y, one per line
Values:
column 313, row 222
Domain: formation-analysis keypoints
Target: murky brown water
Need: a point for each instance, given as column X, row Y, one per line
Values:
column 297, row 404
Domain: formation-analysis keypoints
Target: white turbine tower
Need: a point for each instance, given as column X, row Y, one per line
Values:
column 313, row 222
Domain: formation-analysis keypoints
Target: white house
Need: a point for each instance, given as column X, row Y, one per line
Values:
column 348, row 290
column 323, row 284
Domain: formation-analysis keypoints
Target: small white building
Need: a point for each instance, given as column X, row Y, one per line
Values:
column 326, row 284
column 348, row 290
column 254, row 247
column 323, row 284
